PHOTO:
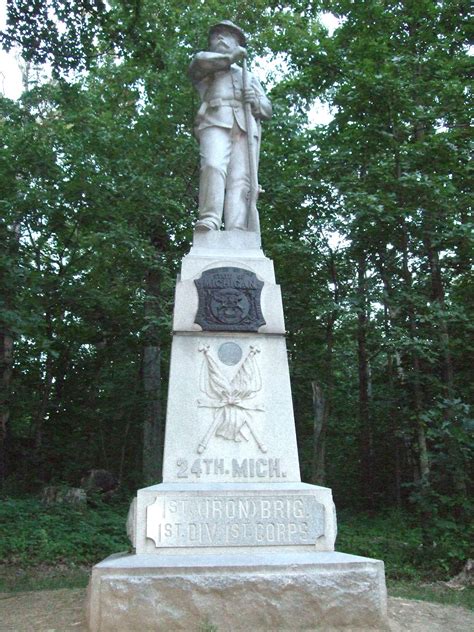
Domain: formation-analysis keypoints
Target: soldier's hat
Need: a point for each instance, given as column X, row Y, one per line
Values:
column 236, row 30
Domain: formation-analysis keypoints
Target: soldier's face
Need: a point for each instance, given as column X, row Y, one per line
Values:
column 223, row 41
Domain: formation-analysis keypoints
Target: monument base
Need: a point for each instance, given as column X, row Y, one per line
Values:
column 266, row 591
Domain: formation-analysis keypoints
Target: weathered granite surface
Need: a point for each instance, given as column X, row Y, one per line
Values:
column 220, row 249
column 264, row 592
column 230, row 423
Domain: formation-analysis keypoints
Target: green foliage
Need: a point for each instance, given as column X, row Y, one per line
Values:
column 391, row 537
column 32, row 534
column 447, row 528
column 72, row 34
column 410, row 553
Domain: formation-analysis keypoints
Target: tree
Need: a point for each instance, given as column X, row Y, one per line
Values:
column 107, row 185
column 395, row 76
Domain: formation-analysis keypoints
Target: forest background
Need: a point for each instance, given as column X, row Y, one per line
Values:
column 367, row 219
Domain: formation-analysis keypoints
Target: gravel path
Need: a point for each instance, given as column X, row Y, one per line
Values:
column 63, row 611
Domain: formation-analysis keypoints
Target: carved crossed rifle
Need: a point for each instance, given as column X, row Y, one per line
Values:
column 230, row 400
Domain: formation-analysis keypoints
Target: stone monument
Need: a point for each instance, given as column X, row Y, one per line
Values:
column 232, row 538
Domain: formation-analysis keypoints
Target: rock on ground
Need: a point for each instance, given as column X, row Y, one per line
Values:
column 63, row 611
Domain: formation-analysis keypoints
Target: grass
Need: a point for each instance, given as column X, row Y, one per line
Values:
column 32, row 534
column 49, row 547
column 15, row 578
column 436, row 593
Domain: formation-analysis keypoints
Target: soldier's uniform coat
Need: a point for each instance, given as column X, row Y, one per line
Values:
column 222, row 132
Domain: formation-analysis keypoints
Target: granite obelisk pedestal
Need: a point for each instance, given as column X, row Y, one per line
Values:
column 232, row 538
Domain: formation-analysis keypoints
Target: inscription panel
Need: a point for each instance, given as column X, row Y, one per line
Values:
column 184, row 520
column 237, row 468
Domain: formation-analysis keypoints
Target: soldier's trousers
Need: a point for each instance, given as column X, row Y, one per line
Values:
column 224, row 179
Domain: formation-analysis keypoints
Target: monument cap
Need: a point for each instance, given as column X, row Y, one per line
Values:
column 236, row 30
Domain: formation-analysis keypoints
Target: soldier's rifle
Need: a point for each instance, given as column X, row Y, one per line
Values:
column 253, row 223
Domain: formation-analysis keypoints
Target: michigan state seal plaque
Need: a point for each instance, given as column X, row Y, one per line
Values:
column 229, row 300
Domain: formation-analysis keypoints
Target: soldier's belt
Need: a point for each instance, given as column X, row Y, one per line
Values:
column 215, row 103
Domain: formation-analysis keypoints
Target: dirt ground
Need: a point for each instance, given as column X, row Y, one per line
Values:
column 63, row 611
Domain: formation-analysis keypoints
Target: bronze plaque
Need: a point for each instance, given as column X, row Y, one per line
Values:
column 229, row 300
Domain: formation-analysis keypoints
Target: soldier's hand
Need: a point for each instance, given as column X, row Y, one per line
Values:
column 239, row 53
column 250, row 96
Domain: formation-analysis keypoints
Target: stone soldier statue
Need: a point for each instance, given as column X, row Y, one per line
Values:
column 228, row 129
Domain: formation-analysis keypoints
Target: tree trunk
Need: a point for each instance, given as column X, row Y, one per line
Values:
column 320, row 410
column 422, row 470
column 153, row 426
column 10, row 238
column 447, row 371
column 423, row 458
column 366, row 439
column 437, row 294
column 39, row 419
column 6, row 362
column 321, row 403
column 386, row 271
column 128, row 425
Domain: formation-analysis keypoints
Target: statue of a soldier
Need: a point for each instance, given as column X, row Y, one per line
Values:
column 228, row 129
